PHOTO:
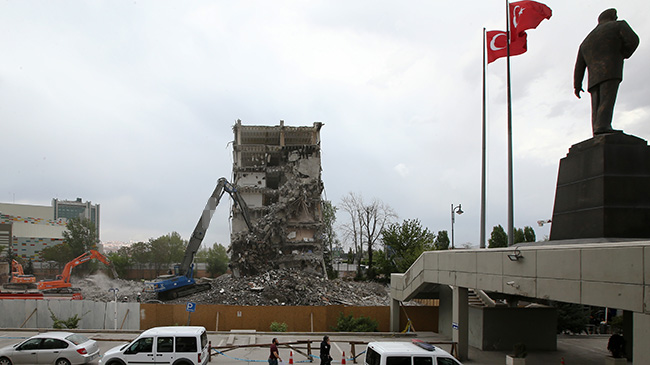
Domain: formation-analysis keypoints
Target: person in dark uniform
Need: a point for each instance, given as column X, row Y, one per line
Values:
column 602, row 54
column 325, row 358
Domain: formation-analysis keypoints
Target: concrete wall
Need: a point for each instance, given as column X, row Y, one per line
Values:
column 298, row 318
column 500, row 328
column 94, row 315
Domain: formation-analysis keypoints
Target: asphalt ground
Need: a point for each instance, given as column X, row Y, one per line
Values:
column 581, row 349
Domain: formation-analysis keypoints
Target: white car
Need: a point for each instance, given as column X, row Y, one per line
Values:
column 52, row 348
column 177, row 345
column 407, row 353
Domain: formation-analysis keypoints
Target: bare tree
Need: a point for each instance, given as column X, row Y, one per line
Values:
column 366, row 223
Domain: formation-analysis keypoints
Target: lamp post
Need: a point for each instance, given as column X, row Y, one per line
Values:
column 459, row 211
column 115, row 290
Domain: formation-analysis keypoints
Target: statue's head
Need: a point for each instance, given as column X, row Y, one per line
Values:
column 608, row 15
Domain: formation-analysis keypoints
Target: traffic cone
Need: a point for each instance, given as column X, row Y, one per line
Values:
column 562, row 362
column 343, row 361
column 290, row 357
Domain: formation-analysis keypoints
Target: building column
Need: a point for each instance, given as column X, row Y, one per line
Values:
column 641, row 351
column 460, row 319
column 394, row 315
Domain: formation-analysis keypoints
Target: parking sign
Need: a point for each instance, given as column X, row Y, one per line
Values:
column 190, row 307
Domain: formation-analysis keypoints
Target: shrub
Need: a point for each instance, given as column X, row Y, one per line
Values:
column 352, row 324
column 279, row 327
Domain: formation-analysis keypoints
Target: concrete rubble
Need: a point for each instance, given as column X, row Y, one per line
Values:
column 276, row 287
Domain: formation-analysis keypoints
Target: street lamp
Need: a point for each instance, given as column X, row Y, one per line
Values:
column 115, row 290
column 458, row 211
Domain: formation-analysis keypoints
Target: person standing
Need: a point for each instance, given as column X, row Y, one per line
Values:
column 274, row 357
column 325, row 346
column 602, row 54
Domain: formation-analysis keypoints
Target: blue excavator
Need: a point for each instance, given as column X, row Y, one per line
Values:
column 181, row 283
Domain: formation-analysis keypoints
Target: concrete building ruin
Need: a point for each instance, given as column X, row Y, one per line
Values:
column 277, row 170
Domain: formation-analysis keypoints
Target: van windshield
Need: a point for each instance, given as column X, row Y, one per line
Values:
column 372, row 357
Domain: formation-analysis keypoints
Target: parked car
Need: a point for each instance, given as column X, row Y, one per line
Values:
column 177, row 345
column 52, row 348
column 407, row 353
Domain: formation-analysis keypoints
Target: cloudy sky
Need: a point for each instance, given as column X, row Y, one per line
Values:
column 130, row 104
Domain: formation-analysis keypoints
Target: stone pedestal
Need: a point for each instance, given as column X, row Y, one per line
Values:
column 603, row 189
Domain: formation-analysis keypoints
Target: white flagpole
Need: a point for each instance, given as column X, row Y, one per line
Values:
column 510, row 182
column 483, row 148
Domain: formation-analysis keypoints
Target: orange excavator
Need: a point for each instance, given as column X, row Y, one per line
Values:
column 62, row 282
column 18, row 280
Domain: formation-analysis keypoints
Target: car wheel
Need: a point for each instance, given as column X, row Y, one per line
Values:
column 5, row 361
column 114, row 362
column 62, row 362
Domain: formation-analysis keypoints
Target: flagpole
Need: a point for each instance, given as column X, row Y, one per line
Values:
column 484, row 159
column 510, row 183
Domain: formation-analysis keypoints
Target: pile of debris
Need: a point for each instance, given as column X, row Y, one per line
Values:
column 291, row 288
column 97, row 288
column 276, row 287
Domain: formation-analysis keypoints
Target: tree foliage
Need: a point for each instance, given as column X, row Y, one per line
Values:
column 355, row 324
column 498, row 237
column 81, row 235
column 442, row 241
column 217, row 260
column 403, row 244
column 329, row 236
column 166, row 250
column 571, row 317
column 61, row 254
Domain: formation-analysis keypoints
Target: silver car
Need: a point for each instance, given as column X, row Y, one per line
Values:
column 55, row 348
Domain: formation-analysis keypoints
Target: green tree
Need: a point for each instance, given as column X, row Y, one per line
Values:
column 217, row 259
column 519, row 235
column 403, row 244
column 81, row 236
column 140, row 253
column 529, row 234
column 498, row 238
column 442, row 241
column 121, row 261
column 166, row 250
column 329, row 236
column 61, row 254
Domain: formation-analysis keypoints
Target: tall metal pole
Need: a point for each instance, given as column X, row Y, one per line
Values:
column 511, row 239
column 115, row 290
column 452, row 226
column 484, row 158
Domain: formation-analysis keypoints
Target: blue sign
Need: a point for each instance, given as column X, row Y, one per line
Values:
column 454, row 325
column 190, row 307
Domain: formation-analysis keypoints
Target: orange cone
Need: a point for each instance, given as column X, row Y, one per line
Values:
column 343, row 361
column 290, row 357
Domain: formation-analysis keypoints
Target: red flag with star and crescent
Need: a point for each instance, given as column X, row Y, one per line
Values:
column 496, row 45
column 526, row 15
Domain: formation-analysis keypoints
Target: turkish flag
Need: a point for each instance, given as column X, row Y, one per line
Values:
column 526, row 15
column 496, row 45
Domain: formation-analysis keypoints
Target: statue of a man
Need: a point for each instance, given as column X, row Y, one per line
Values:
column 602, row 54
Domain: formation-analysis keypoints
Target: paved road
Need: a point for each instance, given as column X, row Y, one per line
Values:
column 573, row 349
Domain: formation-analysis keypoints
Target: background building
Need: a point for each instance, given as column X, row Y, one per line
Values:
column 28, row 229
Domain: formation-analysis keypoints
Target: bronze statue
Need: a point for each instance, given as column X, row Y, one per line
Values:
column 602, row 54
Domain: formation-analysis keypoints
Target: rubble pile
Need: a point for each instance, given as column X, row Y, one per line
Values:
column 291, row 288
column 96, row 287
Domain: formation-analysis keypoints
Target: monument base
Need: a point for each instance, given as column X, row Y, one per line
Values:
column 603, row 189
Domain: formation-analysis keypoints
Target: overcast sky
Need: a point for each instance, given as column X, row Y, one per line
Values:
column 130, row 104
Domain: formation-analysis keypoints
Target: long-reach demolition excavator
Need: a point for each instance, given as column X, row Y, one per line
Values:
column 18, row 280
column 62, row 282
column 182, row 282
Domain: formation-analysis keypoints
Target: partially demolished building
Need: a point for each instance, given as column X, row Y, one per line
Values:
column 277, row 170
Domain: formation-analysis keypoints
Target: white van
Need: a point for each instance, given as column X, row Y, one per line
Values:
column 407, row 353
column 177, row 345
